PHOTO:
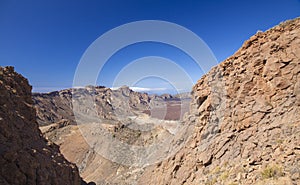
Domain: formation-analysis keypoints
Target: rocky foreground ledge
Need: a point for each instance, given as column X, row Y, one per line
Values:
column 25, row 156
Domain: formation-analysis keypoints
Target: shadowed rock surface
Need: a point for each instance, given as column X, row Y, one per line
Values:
column 25, row 156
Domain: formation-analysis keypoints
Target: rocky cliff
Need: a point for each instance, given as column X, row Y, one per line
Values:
column 246, row 113
column 25, row 156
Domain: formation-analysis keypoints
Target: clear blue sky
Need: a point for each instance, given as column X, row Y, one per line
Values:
column 45, row 40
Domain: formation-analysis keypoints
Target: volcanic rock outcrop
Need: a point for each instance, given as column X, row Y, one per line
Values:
column 246, row 113
column 25, row 156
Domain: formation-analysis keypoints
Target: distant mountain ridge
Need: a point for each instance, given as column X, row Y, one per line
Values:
column 54, row 106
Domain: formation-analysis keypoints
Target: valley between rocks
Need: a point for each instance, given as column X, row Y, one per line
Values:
column 113, row 135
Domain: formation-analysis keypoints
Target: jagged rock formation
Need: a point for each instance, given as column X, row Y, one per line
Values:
column 54, row 106
column 25, row 156
column 246, row 113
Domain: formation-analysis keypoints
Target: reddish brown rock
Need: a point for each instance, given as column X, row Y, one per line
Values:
column 247, row 118
column 25, row 156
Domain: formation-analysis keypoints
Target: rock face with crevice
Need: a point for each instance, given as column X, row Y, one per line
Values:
column 246, row 113
column 25, row 156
